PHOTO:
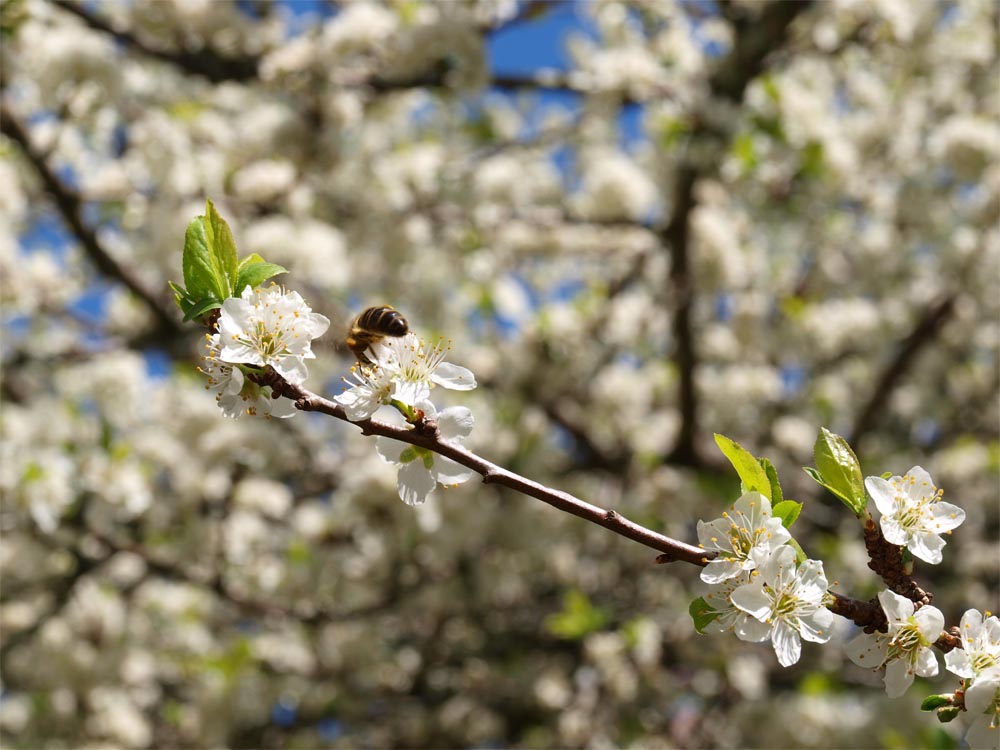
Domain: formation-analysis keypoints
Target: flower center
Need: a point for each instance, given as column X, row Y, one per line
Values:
column 982, row 660
column 907, row 639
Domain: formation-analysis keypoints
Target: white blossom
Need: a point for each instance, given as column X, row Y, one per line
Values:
column 744, row 538
column 905, row 650
column 421, row 470
column 234, row 392
column 980, row 645
column 982, row 701
column 403, row 369
column 913, row 514
column 267, row 326
column 789, row 601
column 731, row 618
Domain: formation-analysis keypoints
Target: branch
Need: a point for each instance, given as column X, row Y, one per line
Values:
column 425, row 435
column 204, row 62
column 70, row 206
column 754, row 41
column 923, row 333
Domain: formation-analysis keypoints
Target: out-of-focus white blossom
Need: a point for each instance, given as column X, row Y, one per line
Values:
column 614, row 187
column 982, row 701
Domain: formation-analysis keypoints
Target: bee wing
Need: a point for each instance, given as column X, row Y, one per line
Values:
column 340, row 325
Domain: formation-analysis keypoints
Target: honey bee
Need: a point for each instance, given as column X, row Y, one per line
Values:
column 372, row 326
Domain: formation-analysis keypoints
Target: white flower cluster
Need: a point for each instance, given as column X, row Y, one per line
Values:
column 758, row 590
column 905, row 651
column 402, row 372
column 264, row 326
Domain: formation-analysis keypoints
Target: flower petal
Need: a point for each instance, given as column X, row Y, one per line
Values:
column 752, row 600
column 898, row 677
column 817, row 627
column 867, row 650
column 787, row 645
column 925, row 664
column 455, row 423
column 414, row 483
column 455, row 377
column 927, row 547
column 882, row 493
column 447, row 471
column 390, row 449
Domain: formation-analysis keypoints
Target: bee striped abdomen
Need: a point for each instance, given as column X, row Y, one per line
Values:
column 371, row 326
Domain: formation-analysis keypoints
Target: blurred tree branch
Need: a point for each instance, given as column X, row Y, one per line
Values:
column 753, row 42
column 70, row 206
column 204, row 62
column 921, row 336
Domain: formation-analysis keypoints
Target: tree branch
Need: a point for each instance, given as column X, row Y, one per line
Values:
column 923, row 333
column 425, row 435
column 70, row 206
column 754, row 41
column 204, row 62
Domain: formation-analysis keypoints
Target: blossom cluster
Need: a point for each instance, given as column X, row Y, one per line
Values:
column 400, row 373
column 761, row 589
column 758, row 590
column 265, row 326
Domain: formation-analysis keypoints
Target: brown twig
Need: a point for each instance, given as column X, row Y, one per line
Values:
column 426, row 435
column 887, row 560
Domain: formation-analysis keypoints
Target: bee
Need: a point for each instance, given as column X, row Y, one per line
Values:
column 372, row 326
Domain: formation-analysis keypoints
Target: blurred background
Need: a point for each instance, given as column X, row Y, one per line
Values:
column 639, row 223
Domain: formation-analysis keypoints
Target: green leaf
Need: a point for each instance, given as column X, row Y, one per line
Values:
column 223, row 248
column 701, row 614
column 199, row 309
column 932, row 702
column 743, row 149
column 254, row 274
column 752, row 474
column 840, row 470
column 886, row 474
column 409, row 454
column 788, row 511
column 772, row 478
column 814, row 474
column 199, row 273
column 578, row 617
column 948, row 713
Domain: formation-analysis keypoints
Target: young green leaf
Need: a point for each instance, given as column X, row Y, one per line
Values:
column 932, row 702
column 200, row 308
column 787, row 511
column 752, row 474
column 254, row 274
column 840, row 470
column 199, row 273
column 222, row 246
column 701, row 614
column 772, row 478
column 578, row 617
